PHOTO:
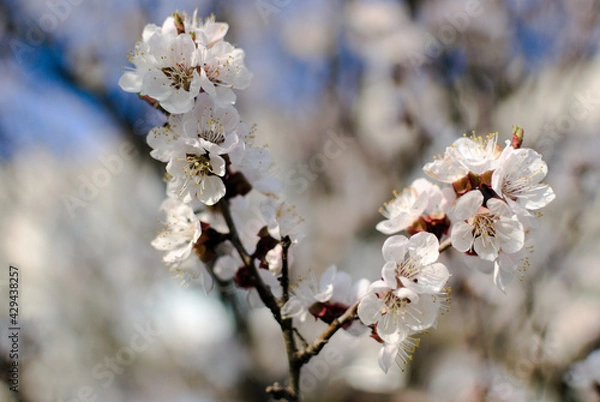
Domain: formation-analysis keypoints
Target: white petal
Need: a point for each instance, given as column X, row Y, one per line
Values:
column 424, row 313
column 467, row 205
column 218, row 164
column 342, row 288
column 271, row 281
column 292, row 308
column 179, row 101
column 156, row 85
column 444, row 170
column 462, row 236
column 358, row 290
column 326, row 285
column 431, row 279
column 387, row 356
column 511, row 234
column 369, row 309
column 131, row 81
column 224, row 96
column 486, row 247
column 388, row 273
column 396, row 224
column 162, row 141
column 537, row 197
column 395, row 248
column 212, row 190
column 424, row 247
column 499, row 277
column 207, row 85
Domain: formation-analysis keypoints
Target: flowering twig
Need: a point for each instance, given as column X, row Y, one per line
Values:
column 482, row 208
column 338, row 323
column 322, row 340
column 263, row 290
column 290, row 392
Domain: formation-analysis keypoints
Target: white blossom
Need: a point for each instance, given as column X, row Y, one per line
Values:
column 166, row 69
column 486, row 230
column 518, row 179
column 206, row 33
column 196, row 175
column 505, row 268
column 421, row 197
column 194, row 143
column 213, row 128
column 181, row 232
column 412, row 263
column 173, row 64
column 256, row 164
column 399, row 353
column 397, row 312
column 222, row 69
column 282, row 218
column 476, row 155
column 334, row 291
column 309, row 292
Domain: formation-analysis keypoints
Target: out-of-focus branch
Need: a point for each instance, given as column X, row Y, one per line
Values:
column 263, row 290
column 314, row 349
column 291, row 391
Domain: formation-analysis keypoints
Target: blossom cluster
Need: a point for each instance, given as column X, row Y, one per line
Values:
column 498, row 191
column 488, row 202
column 486, row 207
column 186, row 69
column 408, row 298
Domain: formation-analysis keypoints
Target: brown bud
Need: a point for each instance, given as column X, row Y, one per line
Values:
column 462, row 186
column 264, row 245
column 205, row 246
column 237, row 184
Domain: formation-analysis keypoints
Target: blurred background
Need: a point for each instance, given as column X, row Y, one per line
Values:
column 390, row 84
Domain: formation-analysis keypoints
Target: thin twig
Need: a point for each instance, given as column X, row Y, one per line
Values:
column 446, row 244
column 322, row 340
column 287, row 326
column 285, row 276
column 350, row 314
column 302, row 339
column 263, row 290
column 292, row 391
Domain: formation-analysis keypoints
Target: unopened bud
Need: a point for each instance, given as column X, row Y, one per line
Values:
column 517, row 137
column 179, row 25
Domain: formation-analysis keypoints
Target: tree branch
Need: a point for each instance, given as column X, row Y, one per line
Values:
column 446, row 244
column 291, row 392
column 263, row 290
column 285, row 277
column 322, row 340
